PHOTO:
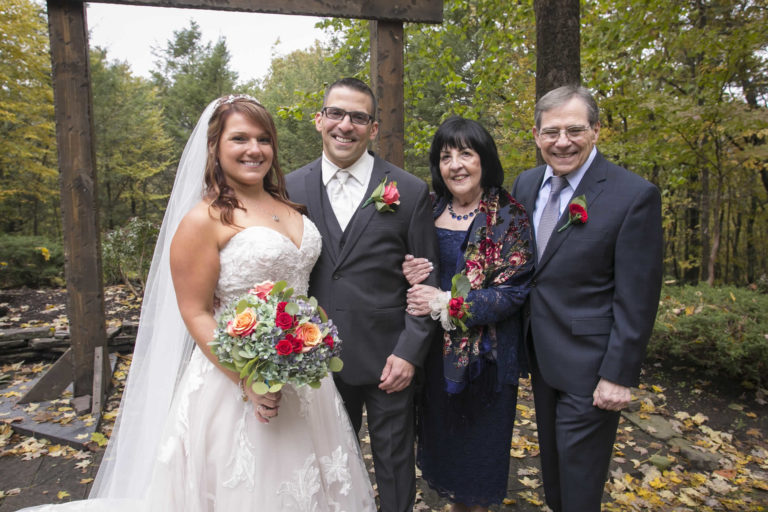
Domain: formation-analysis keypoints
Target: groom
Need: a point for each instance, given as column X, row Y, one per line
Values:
column 359, row 281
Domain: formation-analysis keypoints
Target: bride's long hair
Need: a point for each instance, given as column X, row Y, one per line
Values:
column 216, row 186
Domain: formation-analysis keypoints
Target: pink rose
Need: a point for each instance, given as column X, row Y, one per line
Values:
column 243, row 324
column 391, row 195
column 262, row 289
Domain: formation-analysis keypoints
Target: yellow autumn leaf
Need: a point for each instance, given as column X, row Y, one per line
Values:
column 86, row 480
column 508, row 501
column 689, row 310
column 533, row 483
column 657, row 389
column 733, row 297
column 62, row 494
column 99, row 438
column 518, row 454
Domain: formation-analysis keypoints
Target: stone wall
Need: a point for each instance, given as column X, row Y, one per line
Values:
column 46, row 344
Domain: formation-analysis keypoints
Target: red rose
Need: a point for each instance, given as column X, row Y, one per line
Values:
column 328, row 340
column 281, row 306
column 578, row 212
column 284, row 320
column 284, row 347
column 296, row 343
column 454, row 306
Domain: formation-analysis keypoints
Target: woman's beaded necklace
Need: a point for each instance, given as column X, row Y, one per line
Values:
column 465, row 216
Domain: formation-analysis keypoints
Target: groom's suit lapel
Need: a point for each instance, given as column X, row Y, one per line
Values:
column 591, row 186
column 313, row 183
column 362, row 216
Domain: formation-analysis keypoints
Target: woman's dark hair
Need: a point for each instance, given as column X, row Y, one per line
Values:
column 216, row 187
column 460, row 133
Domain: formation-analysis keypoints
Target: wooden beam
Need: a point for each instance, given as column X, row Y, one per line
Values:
column 77, row 180
column 421, row 11
column 387, row 68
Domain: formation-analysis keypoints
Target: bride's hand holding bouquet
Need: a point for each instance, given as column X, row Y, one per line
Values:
column 271, row 338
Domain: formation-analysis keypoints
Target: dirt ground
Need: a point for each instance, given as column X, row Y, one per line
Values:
column 727, row 412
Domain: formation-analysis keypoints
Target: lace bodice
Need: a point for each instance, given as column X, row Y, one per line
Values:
column 259, row 253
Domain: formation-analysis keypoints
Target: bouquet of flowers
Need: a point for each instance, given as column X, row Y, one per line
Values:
column 271, row 338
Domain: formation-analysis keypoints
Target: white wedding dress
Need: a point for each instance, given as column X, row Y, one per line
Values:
column 215, row 456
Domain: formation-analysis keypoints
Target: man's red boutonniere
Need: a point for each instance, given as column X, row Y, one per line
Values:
column 385, row 196
column 577, row 212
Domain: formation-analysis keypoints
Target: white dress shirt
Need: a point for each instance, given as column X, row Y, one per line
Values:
column 572, row 178
column 346, row 198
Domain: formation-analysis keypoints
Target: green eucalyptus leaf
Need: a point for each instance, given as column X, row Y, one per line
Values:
column 274, row 388
column 241, row 306
column 335, row 364
column 260, row 388
column 315, row 384
column 292, row 308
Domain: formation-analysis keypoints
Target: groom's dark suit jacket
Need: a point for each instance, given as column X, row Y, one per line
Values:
column 358, row 278
column 595, row 290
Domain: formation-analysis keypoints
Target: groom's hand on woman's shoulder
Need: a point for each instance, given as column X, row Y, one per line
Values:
column 396, row 375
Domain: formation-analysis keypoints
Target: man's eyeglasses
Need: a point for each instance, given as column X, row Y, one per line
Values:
column 573, row 133
column 337, row 114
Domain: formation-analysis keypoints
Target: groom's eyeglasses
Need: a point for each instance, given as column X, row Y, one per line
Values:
column 338, row 114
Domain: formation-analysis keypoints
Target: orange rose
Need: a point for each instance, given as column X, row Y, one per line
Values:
column 243, row 324
column 309, row 334
column 262, row 289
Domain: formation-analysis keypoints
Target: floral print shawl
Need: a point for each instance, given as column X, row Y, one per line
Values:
column 498, row 261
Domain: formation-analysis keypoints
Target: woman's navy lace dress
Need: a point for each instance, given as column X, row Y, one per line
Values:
column 464, row 440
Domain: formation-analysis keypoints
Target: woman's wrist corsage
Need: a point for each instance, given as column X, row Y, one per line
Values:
column 451, row 307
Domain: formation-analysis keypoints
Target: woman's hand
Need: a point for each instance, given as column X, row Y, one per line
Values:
column 419, row 297
column 416, row 270
column 265, row 405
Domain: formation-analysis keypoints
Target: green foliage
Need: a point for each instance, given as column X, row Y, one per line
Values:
column 683, row 87
column 127, row 254
column 722, row 330
column 32, row 261
column 29, row 192
column 190, row 74
column 293, row 92
column 132, row 148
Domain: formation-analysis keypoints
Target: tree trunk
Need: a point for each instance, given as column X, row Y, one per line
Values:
column 558, row 57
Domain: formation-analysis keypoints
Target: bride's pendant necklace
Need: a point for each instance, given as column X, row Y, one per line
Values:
column 275, row 218
column 465, row 216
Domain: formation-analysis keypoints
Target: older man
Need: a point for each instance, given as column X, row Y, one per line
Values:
column 594, row 298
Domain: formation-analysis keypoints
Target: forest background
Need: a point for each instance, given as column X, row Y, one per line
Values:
column 682, row 87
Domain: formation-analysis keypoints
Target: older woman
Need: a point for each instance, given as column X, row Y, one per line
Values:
column 467, row 411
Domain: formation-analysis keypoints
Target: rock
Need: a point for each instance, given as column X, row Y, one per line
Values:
column 652, row 424
column 24, row 333
column 706, row 461
column 45, row 343
column 660, row 461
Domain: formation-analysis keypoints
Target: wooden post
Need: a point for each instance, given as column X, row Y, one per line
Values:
column 387, row 71
column 74, row 137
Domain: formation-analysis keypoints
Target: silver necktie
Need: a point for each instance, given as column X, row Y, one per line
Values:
column 550, row 214
column 342, row 199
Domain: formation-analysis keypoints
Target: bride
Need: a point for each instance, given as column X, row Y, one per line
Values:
column 190, row 437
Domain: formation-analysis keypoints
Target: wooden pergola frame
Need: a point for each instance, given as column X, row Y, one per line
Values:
column 87, row 358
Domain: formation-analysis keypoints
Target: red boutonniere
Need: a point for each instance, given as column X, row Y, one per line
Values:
column 577, row 212
column 386, row 196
